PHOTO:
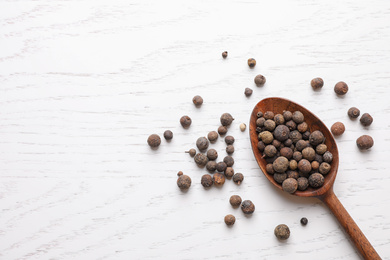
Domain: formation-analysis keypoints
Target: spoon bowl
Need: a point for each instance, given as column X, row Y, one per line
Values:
column 324, row 193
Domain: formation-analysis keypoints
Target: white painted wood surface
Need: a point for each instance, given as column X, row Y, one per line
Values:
column 83, row 84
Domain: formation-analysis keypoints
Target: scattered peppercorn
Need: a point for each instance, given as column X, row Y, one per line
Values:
column 304, row 221
column 248, row 92
column 228, row 160
column 251, row 62
column 316, row 138
column 242, row 127
column 206, row 181
column 290, row 185
column 353, row 112
column 229, row 172
column 230, row 220
column 180, row 173
column 222, row 130
column 366, row 119
column 212, row 154
column 224, row 54
column 211, row 166
column 317, row 83
column 316, row 180
column 260, row 80
column 212, row 136
column 202, row 143
column 185, row 121
column 365, row 142
column 184, row 182
column 321, row 148
column 235, row 201
column 226, row 119
column 197, row 100
column 238, row 178
column 337, row 128
column 282, row 232
column 154, row 140
column 221, row 166
column 303, row 183
column 219, row 179
column 248, row 207
column 201, row 159
column 341, row 88
column 168, row 135
column 229, row 139
column 229, row 149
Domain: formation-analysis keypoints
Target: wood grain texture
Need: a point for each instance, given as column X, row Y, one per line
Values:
column 84, row 83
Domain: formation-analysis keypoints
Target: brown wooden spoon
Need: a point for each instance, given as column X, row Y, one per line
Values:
column 324, row 193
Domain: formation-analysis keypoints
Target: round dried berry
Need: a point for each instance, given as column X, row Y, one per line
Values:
column 229, row 139
column 260, row 146
column 228, row 160
column 337, row 128
column 185, row 121
column 251, row 62
column 180, row 173
column 297, row 156
column 321, row 148
column 226, row 119
column 269, row 125
column 304, row 166
column 168, row 135
column 260, row 122
column 222, row 130
column 242, row 127
column 212, row 136
column 327, row 157
column 229, row 172
column 269, row 168
column 303, row 183
column 353, row 112
column 291, row 125
column 279, row 119
column 280, row 177
column 292, row 174
column 365, row 142
column 317, row 83
column 281, row 133
column 290, row 185
column 219, row 179
column 287, row 115
column 281, row 164
column 212, row 154
column 238, row 178
column 184, row 182
column 270, row 150
column 259, row 114
column 282, row 232
column 316, row 138
column 298, row 117
column 211, row 166
column 269, row 115
column 304, row 221
column 366, row 119
column 293, row 165
column 235, row 201
column 202, row 143
column 302, row 127
column 230, row 220
column 266, row 136
column 248, row 207
column 301, row 144
column 191, row 152
column 206, row 181
column 229, row 149
column 276, row 143
column 286, row 152
column 221, row 167
column 260, row 80
column 324, row 168
column 309, row 154
column 197, row 100
column 201, row 159
column 315, row 165
column 341, row 88
column 154, row 140
column 295, row 136
column 248, row 92
column 224, row 54
column 316, row 180
column 306, row 135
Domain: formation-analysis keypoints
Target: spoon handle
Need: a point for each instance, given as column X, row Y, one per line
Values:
column 349, row 225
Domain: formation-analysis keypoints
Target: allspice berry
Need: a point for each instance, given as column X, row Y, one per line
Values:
column 251, row 62
column 308, row 153
column 316, row 180
column 221, row 166
column 224, row 54
column 212, row 154
column 304, row 166
column 298, row 117
column 337, row 129
column 260, row 122
column 229, row 149
column 324, row 168
column 222, row 130
column 180, row 173
column 269, row 168
column 269, row 125
column 229, row 172
column 212, row 136
column 327, row 157
column 365, row 142
column 266, row 136
column 201, row 159
column 226, row 119
column 281, row 164
column 154, row 140
column 279, row 119
column 366, row 119
column 229, row 139
column 287, row 115
column 207, row 181
column 280, row 177
column 184, row 182
column 281, row 133
column 303, row 183
column 341, row 88
column 242, row 127
column 191, row 152
column 316, row 138
column 282, row 232
column 269, row 115
column 247, row 207
column 219, row 179
column 230, row 220
column 211, row 166
column 304, row 221
column 290, row 185
column 321, row 148
column 353, row 112
column 248, row 92
column 260, row 80
column 238, row 178
column 270, row 150
column 228, row 160
column 235, row 201
column 197, row 100
column 317, row 83
column 202, row 143
column 168, row 135
column 185, row 121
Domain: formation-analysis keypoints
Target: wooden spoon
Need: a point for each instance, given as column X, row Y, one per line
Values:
column 324, row 193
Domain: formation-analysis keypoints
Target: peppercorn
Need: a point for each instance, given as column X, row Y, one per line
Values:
column 271, row 159
column 301, row 144
column 261, row 146
column 229, row 172
column 270, row 150
column 229, row 149
column 295, row 136
column 212, row 154
column 306, row 135
column 297, row 156
column 197, row 100
column 337, row 129
column 230, row 220
column 365, row 142
column 211, row 166
column 266, row 137
column 251, row 62
column 292, row 174
column 224, row 54
column 327, row 157
column 321, row 148
column 212, row 136
column 319, row 158
column 206, row 181
column 316, row 180
column 269, row 125
column 341, row 88
column 269, row 168
column 288, row 142
column 290, row 185
column 235, row 201
column 298, row 117
column 248, row 92
column 304, row 166
column 316, row 138
column 260, row 80
column 226, row 119
column 184, row 182
column 281, row 133
column 201, row 159
column 279, row 119
column 324, row 168
column 259, row 129
column 154, row 140
column 168, row 135
column 185, row 121
column 202, row 143
column 259, row 114
column 315, row 165
column 229, row 139
column 317, row 83
column 219, row 179
column 302, row 127
column 238, row 178
column 366, row 119
column 180, row 173
column 287, row 115
column 280, row 177
column 269, row 115
column 242, row 127
column 303, row 183
column 286, row 152
column 304, row 221
column 248, row 207
column 353, row 112
column 260, row 122
column 308, row 153
column 282, row 232
column 221, row 167
column 228, row 160
column 293, row 165
column 191, row 152
column 281, row 164
column 276, row 143
column 222, row 130
column 291, row 125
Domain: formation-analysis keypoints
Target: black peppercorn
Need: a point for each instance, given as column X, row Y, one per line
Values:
column 309, row 154
column 365, row 142
column 154, row 140
column 290, row 185
column 201, row 159
column 280, row 177
column 248, row 92
column 304, row 166
column 211, row 166
column 221, row 167
column 219, row 179
column 202, row 143
column 251, row 62
column 229, row 139
column 260, row 122
column 222, row 130
column 206, row 181
column 191, row 152
column 269, row 115
column 270, row 150
column 316, row 138
column 224, row 54
column 260, row 80
column 197, row 100
column 303, row 183
column 212, row 154
column 287, row 115
column 230, row 220
column 229, row 149
column 184, row 182
column 228, row 160
column 341, row 88
column 317, row 83
column 259, row 114
column 304, row 221
column 235, row 201
column 248, row 207
column 291, row 125
column 168, row 135
column 282, row 232
column 281, row 133
column 337, row 129
column 185, row 121
column 180, row 173
column 327, row 157
column 353, row 112
column 226, row 119
column 238, row 178
column 316, row 180
column 269, row 168
column 298, row 117
column 229, row 172
column 212, row 136
column 269, row 125
column 366, row 119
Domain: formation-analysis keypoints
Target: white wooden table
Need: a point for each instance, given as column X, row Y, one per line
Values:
column 84, row 83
